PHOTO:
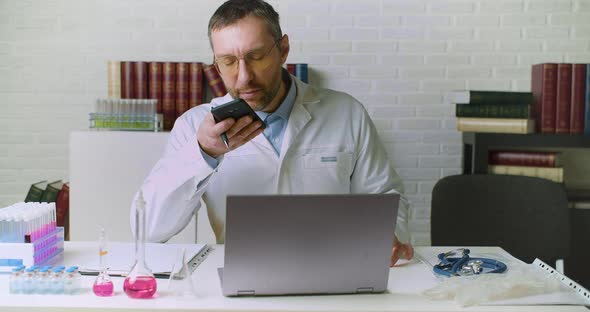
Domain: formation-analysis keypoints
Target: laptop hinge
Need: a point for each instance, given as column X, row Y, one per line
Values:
column 246, row 293
column 364, row 290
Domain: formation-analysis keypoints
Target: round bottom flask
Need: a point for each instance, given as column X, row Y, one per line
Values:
column 140, row 287
column 103, row 286
column 140, row 282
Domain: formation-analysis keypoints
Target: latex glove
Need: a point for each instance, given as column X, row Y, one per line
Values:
column 401, row 251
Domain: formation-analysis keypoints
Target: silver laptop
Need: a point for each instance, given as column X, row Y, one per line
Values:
column 308, row 244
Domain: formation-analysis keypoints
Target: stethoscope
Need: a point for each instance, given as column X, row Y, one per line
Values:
column 465, row 265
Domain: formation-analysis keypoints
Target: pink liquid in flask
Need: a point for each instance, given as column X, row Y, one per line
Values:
column 103, row 289
column 141, row 287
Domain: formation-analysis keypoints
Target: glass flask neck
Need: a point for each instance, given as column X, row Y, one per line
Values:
column 140, row 232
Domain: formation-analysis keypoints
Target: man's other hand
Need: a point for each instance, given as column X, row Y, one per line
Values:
column 401, row 251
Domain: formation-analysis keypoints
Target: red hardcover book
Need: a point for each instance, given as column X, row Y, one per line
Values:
column 544, row 88
column 578, row 98
column 182, row 85
column 127, row 82
column 524, row 158
column 291, row 69
column 140, row 82
column 564, row 98
column 62, row 209
column 155, row 83
column 195, row 81
column 169, row 94
column 214, row 80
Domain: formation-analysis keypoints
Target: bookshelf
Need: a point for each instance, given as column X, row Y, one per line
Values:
column 476, row 146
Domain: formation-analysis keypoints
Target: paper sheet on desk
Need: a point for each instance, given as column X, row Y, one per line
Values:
column 160, row 258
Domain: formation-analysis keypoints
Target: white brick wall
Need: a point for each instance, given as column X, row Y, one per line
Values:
column 397, row 56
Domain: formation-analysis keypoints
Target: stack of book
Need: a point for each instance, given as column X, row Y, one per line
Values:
column 562, row 98
column 57, row 192
column 538, row 164
column 177, row 86
column 493, row 111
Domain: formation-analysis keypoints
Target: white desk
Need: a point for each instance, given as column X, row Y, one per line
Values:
column 401, row 295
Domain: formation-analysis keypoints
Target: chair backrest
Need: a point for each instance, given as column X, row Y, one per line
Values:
column 526, row 216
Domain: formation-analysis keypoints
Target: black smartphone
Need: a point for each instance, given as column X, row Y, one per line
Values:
column 234, row 109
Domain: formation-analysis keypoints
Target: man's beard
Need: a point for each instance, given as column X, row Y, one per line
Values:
column 268, row 93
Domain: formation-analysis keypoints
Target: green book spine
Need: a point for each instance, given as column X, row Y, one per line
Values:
column 51, row 192
column 493, row 111
column 34, row 194
column 50, row 195
column 500, row 97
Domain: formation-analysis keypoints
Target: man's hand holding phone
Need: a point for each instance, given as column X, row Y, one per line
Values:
column 239, row 124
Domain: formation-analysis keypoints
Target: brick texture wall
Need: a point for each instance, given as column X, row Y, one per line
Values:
column 398, row 57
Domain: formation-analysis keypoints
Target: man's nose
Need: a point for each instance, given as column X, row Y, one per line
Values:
column 245, row 74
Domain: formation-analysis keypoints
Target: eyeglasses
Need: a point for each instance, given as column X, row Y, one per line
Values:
column 228, row 65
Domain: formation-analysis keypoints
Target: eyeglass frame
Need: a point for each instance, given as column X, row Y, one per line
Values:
column 244, row 57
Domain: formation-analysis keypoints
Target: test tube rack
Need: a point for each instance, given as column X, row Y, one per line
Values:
column 47, row 250
column 126, row 114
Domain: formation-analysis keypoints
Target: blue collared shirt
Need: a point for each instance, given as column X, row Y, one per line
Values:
column 276, row 123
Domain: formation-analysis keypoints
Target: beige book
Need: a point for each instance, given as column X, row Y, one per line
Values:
column 579, row 205
column 114, row 79
column 553, row 174
column 496, row 125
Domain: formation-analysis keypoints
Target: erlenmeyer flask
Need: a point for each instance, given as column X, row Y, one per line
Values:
column 140, row 282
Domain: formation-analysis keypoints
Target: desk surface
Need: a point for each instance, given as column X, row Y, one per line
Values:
column 403, row 295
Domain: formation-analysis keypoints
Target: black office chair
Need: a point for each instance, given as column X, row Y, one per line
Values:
column 528, row 217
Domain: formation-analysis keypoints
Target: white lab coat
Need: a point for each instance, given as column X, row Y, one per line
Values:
column 330, row 145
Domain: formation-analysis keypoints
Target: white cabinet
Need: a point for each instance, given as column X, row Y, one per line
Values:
column 106, row 169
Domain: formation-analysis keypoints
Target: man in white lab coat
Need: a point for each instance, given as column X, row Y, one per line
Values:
column 316, row 140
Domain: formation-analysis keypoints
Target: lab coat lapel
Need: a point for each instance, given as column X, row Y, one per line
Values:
column 299, row 115
column 264, row 144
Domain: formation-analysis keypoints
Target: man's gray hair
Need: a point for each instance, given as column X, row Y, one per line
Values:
column 232, row 11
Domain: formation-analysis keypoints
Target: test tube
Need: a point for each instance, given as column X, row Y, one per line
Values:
column 94, row 116
column 134, row 114
column 108, row 117
column 142, row 113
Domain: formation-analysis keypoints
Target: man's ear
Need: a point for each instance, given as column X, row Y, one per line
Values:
column 284, row 48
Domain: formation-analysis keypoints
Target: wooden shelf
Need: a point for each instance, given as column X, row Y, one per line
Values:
column 476, row 145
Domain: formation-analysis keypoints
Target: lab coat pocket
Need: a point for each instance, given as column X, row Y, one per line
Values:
column 327, row 172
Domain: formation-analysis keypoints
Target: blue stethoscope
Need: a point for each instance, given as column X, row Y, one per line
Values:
column 465, row 265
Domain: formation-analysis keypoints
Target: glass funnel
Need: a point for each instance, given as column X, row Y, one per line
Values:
column 140, row 282
column 181, row 282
